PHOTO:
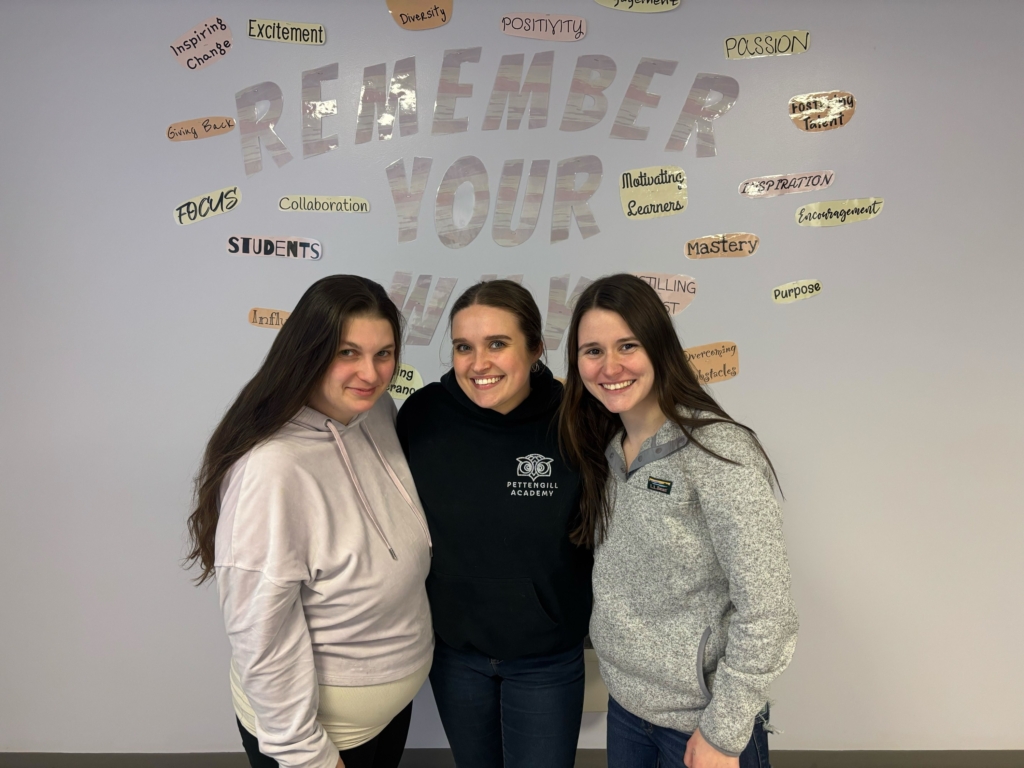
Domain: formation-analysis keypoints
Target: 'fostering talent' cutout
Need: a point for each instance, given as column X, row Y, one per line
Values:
column 200, row 128
column 755, row 45
column 773, row 186
column 268, row 318
column 286, row 247
column 801, row 289
column 836, row 212
column 407, row 380
column 675, row 291
column 327, row 204
column 544, row 26
column 647, row 193
column 202, row 45
column 420, row 14
column 204, row 206
column 714, row 362
column 640, row 6
column 824, row 111
column 287, row 31
column 718, row 246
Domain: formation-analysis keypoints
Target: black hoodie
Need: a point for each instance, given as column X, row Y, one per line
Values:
column 505, row 580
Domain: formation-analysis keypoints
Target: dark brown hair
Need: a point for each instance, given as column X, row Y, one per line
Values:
column 585, row 426
column 297, row 361
column 510, row 296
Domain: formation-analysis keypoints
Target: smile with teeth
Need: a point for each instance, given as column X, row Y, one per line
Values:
column 489, row 380
column 618, row 385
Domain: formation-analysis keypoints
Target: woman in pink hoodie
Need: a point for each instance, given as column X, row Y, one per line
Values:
column 308, row 517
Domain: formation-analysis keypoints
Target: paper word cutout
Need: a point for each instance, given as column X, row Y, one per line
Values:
column 801, row 289
column 640, row 6
column 836, row 212
column 288, row 247
column 767, row 44
column 203, row 45
column 822, row 111
column 200, row 128
column 204, row 206
column 718, row 246
column 545, row 26
column 287, row 31
column 675, row 291
column 420, row 14
column 343, row 204
column 773, row 186
column 714, row 362
column 407, row 380
column 268, row 318
column 647, row 193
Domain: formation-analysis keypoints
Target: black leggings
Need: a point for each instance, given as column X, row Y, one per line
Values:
column 382, row 751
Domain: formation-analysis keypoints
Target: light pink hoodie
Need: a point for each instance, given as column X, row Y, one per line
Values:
column 321, row 556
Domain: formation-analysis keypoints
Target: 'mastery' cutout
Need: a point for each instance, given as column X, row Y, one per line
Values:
column 722, row 246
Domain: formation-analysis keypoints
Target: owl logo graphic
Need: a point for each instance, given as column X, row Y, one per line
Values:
column 534, row 465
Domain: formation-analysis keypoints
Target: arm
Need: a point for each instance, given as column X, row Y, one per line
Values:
column 745, row 524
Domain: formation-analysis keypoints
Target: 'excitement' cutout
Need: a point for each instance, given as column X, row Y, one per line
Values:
column 814, row 112
column 286, row 247
column 640, row 6
column 836, row 212
column 407, row 380
column 723, row 246
column 205, row 206
column 675, row 291
column 200, row 128
column 287, row 31
column 714, row 362
column 268, row 318
column 773, row 186
column 544, row 26
column 420, row 14
column 647, row 193
column 208, row 42
column 801, row 289
column 767, row 44
column 324, row 204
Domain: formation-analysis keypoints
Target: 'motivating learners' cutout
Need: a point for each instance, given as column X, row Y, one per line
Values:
column 647, row 193
column 836, row 212
column 797, row 291
column 207, row 42
column 826, row 111
column 675, row 291
column 268, row 318
column 286, row 247
column 714, row 362
column 731, row 245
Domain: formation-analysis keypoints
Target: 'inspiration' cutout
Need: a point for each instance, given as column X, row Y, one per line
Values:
column 675, row 291
column 731, row 245
column 773, row 186
column 714, row 362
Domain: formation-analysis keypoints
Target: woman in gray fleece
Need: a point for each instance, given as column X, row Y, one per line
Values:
column 692, row 617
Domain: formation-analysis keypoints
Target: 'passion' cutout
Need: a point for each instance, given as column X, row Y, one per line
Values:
column 207, row 42
column 760, row 44
column 407, row 380
column 326, row 204
column 826, row 111
column 640, row 6
column 286, row 247
column 200, row 128
column 797, row 291
column 675, row 291
column 714, row 362
column 268, row 318
column 773, row 186
column 723, row 246
column 544, row 26
column 204, row 206
column 647, row 193
column 836, row 212
column 420, row 14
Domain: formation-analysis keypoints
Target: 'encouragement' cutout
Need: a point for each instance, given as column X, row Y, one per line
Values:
column 675, row 291
column 268, row 318
column 814, row 112
column 836, row 212
column 287, row 31
column 200, row 128
column 767, row 44
column 714, row 362
column 204, row 206
column 420, row 14
column 286, row 247
column 208, row 42
column 544, row 26
column 718, row 246
column 407, row 380
column 801, row 289
column 640, row 6
column 326, row 204
column 773, row 186
column 647, row 193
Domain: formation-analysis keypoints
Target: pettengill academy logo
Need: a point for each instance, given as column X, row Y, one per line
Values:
column 532, row 466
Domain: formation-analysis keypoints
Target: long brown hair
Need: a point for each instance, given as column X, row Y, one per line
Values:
column 298, row 359
column 585, row 426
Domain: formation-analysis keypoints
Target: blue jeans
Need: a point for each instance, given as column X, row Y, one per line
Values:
column 635, row 743
column 512, row 713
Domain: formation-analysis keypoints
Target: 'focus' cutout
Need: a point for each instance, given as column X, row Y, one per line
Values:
column 420, row 14
column 767, row 44
column 826, row 111
column 647, row 193
column 723, row 246
column 286, row 247
column 287, row 31
column 675, row 291
column 268, row 318
column 545, row 26
column 773, row 186
column 836, row 212
column 640, row 6
column 206, row 43
column 801, row 289
column 714, row 362
column 407, row 380
column 205, row 206
column 200, row 128
column 326, row 204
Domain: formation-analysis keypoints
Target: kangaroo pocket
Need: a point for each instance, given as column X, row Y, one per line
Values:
column 502, row 618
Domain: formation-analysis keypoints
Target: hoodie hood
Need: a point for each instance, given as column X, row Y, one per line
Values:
column 312, row 420
column 545, row 395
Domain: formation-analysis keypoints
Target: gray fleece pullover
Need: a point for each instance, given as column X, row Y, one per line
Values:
column 693, row 617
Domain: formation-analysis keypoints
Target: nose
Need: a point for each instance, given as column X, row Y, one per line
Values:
column 480, row 362
column 612, row 364
column 368, row 369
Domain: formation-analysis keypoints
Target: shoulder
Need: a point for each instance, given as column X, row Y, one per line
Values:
column 420, row 402
column 728, row 440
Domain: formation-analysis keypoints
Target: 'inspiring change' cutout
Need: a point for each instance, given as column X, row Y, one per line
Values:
column 731, row 245
column 407, row 380
column 647, row 193
column 675, row 291
column 797, row 291
column 773, row 186
column 826, row 111
column 200, row 128
column 207, row 42
column 714, row 362
column 285, row 247
column 836, row 212
column 268, row 318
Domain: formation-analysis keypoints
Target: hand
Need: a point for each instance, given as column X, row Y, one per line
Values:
column 700, row 754
column 341, row 763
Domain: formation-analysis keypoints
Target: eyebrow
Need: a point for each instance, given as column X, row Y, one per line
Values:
column 597, row 343
column 353, row 345
column 495, row 337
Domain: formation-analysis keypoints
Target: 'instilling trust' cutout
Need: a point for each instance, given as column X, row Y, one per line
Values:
column 675, row 291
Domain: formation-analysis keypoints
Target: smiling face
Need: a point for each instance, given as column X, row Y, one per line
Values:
column 613, row 365
column 360, row 372
column 491, row 358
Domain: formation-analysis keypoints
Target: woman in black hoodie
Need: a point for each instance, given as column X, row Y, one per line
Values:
column 509, row 590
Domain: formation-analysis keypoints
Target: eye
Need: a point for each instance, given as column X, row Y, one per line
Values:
column 461, row 348
column 591, row 352
column 629, row 346
column 497, row 344
column 384, row 354
column 346, row 353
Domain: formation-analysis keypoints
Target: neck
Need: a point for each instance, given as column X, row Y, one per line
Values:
column 642, row 421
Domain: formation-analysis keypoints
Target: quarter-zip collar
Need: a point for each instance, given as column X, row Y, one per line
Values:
column 666, row 441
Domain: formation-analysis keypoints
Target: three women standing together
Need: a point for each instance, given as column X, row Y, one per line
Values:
column 329, row 533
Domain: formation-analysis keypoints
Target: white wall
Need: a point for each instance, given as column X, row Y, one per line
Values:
column 891, row 404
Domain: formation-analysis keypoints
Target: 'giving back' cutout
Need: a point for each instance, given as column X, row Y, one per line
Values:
column 675, row 291
column 731, row 245
column 647, row 193
column 714, row 362
column 200, row 128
